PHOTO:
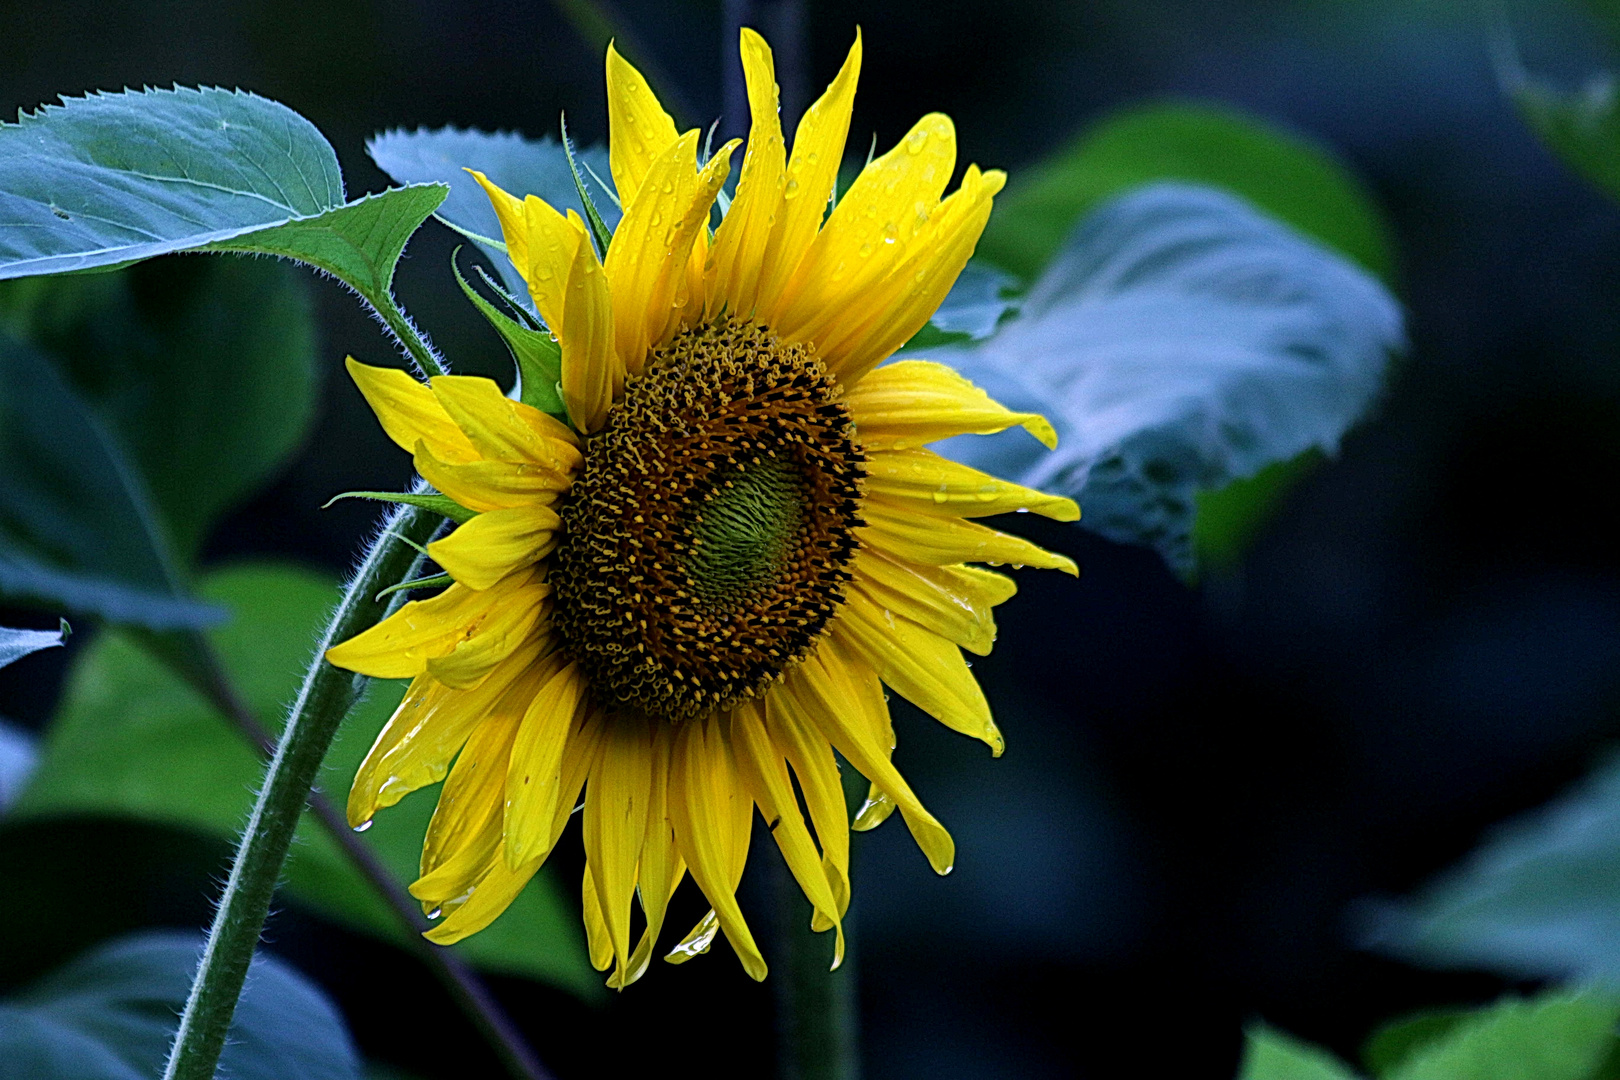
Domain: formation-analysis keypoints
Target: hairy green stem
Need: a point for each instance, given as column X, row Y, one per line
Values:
column 190, row 655
column 400, row 325
column 323, row 701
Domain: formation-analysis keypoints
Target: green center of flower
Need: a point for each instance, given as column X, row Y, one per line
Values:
column 706, row 541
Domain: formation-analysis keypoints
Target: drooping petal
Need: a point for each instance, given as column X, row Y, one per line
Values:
column 638, row 127
column 482, row 551
column 646, row 263
column 615, row 826
column 870, row 232
column 944, row 541
column 920, row 481
column 711, row 816
column 762, row 767
column 598, row 942
column 492, row 894
column 951, row 601
column 534, row 776
column 662, row 867
column 508, row 627
column 415, row 747
column 401, row 646
column 492, row 485
column 409, row 412
column 744, row 237
column 505, row 430
column 842, row 698
column 888, row 315
column 911, row 402
column 923, row 667
column 811, row 756
column 818, row 150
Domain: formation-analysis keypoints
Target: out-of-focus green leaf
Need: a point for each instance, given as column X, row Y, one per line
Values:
column 1228, row 519
column 1580, row 126
column 79, row 529
column 1271, row 1055
column 132, row 739
column 111, row 1014
column 1539, row 898
column 1563, row 1035
column 1285, row 175
column 16, row 644
column 1393, row 1043
column 203, row 369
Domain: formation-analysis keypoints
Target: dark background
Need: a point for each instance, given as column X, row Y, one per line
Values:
column 1199, row 784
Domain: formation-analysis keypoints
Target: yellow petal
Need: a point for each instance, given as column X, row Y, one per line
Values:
column 923, row 667
column 942, row 541
column 764, row 772
column 911, row 402
column 744, row 237
column 482, row 551
column 597, row 941
column 874, row 811
column 513, row 216
column 508, row 627
column 505, row 430
column 646, row 263
column 662, row 867
column 492, row 485
column 843, row 699
column 818, row 150
column 698, row 941
column 415, row 747
column 534, row 779
column 541, row 243
column 638, row 127
column 401, row 645
column 592, row 369
column 951, row 601
column 493, row 894
column 921, row 481
column 872, row 230
column 886, row 316
column 711, row 816
column 811, row 756
column 409, row 412
column 615, row 826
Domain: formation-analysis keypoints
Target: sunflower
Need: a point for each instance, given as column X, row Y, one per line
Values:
column 687, row 596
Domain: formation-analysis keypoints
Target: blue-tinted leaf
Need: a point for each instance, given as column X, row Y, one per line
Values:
column 977, row 302
column 1179, row 341
column 1540, row 897
column 78, row 528
column 16, row 644
column 520, row 166
column 111, row 1013
column 1271, row 1055
column 19, row 754
column 112, row 178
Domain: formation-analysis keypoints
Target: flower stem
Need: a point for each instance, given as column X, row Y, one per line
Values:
column 817, row 1021
column 324, row 699
column 190, row 655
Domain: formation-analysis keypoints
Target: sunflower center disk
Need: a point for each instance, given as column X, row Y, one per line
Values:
column 707, row 540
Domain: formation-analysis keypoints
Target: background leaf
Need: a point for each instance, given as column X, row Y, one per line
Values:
column 132, row 739
column 520, row 166
column 1557, row 1036
column 110, row 1015
column 1180, row 341
column 1540, row 897
column 1271, row 1055
column 1581, row 126
column 16, row 644
column 110, row 178
column 1287, row 176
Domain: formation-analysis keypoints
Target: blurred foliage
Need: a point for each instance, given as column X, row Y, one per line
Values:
column 110, row 1015
column 1558, row 1035
column 132, row 739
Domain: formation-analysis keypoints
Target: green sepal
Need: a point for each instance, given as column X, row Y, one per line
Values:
column 599, row 230
column 538, row 356
column 442, row 505
column 431, row 582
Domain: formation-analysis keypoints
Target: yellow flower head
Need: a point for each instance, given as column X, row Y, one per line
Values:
column 695, row 593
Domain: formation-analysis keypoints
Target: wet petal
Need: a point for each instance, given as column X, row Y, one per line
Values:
column 492, row 485
column 638, row 127
column 912, row 402
column 409, row 412
column 920, row 481
column 744, row 237
column 662, row 867
column 615, row 826
column 952, row 601
column 503, row 429
column 482, row 551
column 811, row 756
column 534, row 779
column 943, row 541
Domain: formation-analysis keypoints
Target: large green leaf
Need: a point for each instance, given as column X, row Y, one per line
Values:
column 111, row 179
column 1271, row 1055
column 203, row 369
column 1562, row 1035
column 1283, row 174
column 132, row 739
column 1580, row 126
column 1180, row 341
column 111, row 1015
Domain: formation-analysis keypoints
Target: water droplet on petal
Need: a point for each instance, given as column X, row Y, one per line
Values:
column 435, row 913
column 363, row 826
column 916, row 141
